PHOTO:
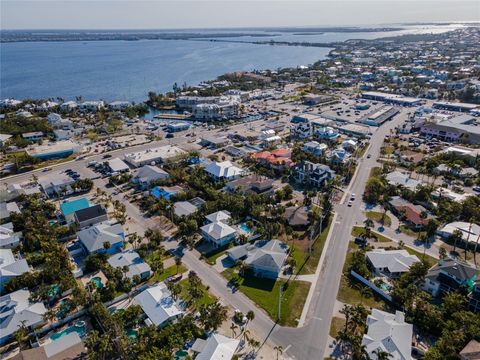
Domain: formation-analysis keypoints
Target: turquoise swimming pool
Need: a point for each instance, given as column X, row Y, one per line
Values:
column 78, row 327
column 97, row 281
column 246, row 228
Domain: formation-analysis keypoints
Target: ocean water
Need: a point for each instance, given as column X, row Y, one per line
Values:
column 128, row 70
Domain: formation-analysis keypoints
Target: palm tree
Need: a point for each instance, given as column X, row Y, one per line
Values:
column 245, row 336
column 456, row 235
column 279, row 350
column 178, row 262
column 233, row 327
column 382, row 355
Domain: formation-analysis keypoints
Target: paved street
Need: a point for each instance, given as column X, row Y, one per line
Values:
column 309, row 341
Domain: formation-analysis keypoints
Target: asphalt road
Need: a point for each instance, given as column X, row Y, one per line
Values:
column 309, row 341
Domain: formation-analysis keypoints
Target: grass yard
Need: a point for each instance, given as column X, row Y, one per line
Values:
column 170, row 271
column 264, row 292
column 211, row 260
column 429, row 259
column 206, row 298
column 407, row 231
column 350, row 291
column 307, row 264
column 377, row 216
column 359, row 231
column 336, row 325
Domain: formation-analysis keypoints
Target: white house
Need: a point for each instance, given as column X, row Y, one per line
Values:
column 8, row 238
column 10, row 267
column 146, row 174
column 216, row 347
column 391, row 262
column 15, row 310
column 8, row 208
column 224, row 170
column 95, row 237
column 135, row 264
column 158, row 304
column 218, row 233
column 265, row 257
column 388, row 333
column 222, row 215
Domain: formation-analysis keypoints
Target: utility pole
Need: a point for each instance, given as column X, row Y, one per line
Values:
column 279, row 301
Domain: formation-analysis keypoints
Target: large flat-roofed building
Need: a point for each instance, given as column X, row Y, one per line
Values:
column 157, row 155
column 225, row 108
column 462, row 128
column 455, row 106
column 380, row 116
column 391, row 98
column 59, row 149
column 189, row 102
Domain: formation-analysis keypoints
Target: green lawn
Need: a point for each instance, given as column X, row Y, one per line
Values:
column 307, row 264
column 429, row 259
column 265, row 292
column 336, row 325
column 377, row 216
column 407, row 231
column 206, row 298
column 170, row 271
column 211, row 260
column 350, row 291
column 360, row 230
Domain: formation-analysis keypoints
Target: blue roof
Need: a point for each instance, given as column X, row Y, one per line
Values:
column 69, row 207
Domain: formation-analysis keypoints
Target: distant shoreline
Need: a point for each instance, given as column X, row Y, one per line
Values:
column 10, row 36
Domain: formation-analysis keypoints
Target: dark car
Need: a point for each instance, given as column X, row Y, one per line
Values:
column 107, row 156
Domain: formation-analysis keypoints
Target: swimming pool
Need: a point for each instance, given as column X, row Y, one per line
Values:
column 97, row 281
column 78, row 327
column 246, row 228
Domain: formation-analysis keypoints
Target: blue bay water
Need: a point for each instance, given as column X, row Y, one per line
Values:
column 127, row 70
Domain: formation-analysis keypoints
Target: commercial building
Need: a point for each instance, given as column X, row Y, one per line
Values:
column 462, row 128
column 55, row 150
column 312, row 99
column 223, row 109
column 118, row 165
column 380, row 116
column 455, row 106
column 178, row 126
column 158, row 155
column 33, row 136
column 391, row 98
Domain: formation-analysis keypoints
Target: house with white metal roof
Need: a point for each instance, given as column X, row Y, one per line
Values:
column 11, row 267
column 135, row 264
column 388, row 333
column 95, row 237
column 16, row 310
column 391, row 263
column 8, row 238
column 218, row 233
column 216, row 347
column 146, row 174
column 158, row 304
column 224, row 170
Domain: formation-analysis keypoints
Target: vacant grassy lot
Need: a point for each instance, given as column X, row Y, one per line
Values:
column 336, row 325
column 429, row 259
column 206, row 298
column 352, row 292
column 360, row 231
column 377, row 216
column 307, row 264
column 170, row 271
column 265, row 293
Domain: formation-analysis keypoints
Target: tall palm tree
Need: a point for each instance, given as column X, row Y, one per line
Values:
column 279, row 350
column 233, row 327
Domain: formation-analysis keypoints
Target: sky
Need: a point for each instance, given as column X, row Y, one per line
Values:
column 160, row 14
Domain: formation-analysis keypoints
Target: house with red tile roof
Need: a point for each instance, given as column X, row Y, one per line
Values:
column 276, row 159
column 411, row 212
